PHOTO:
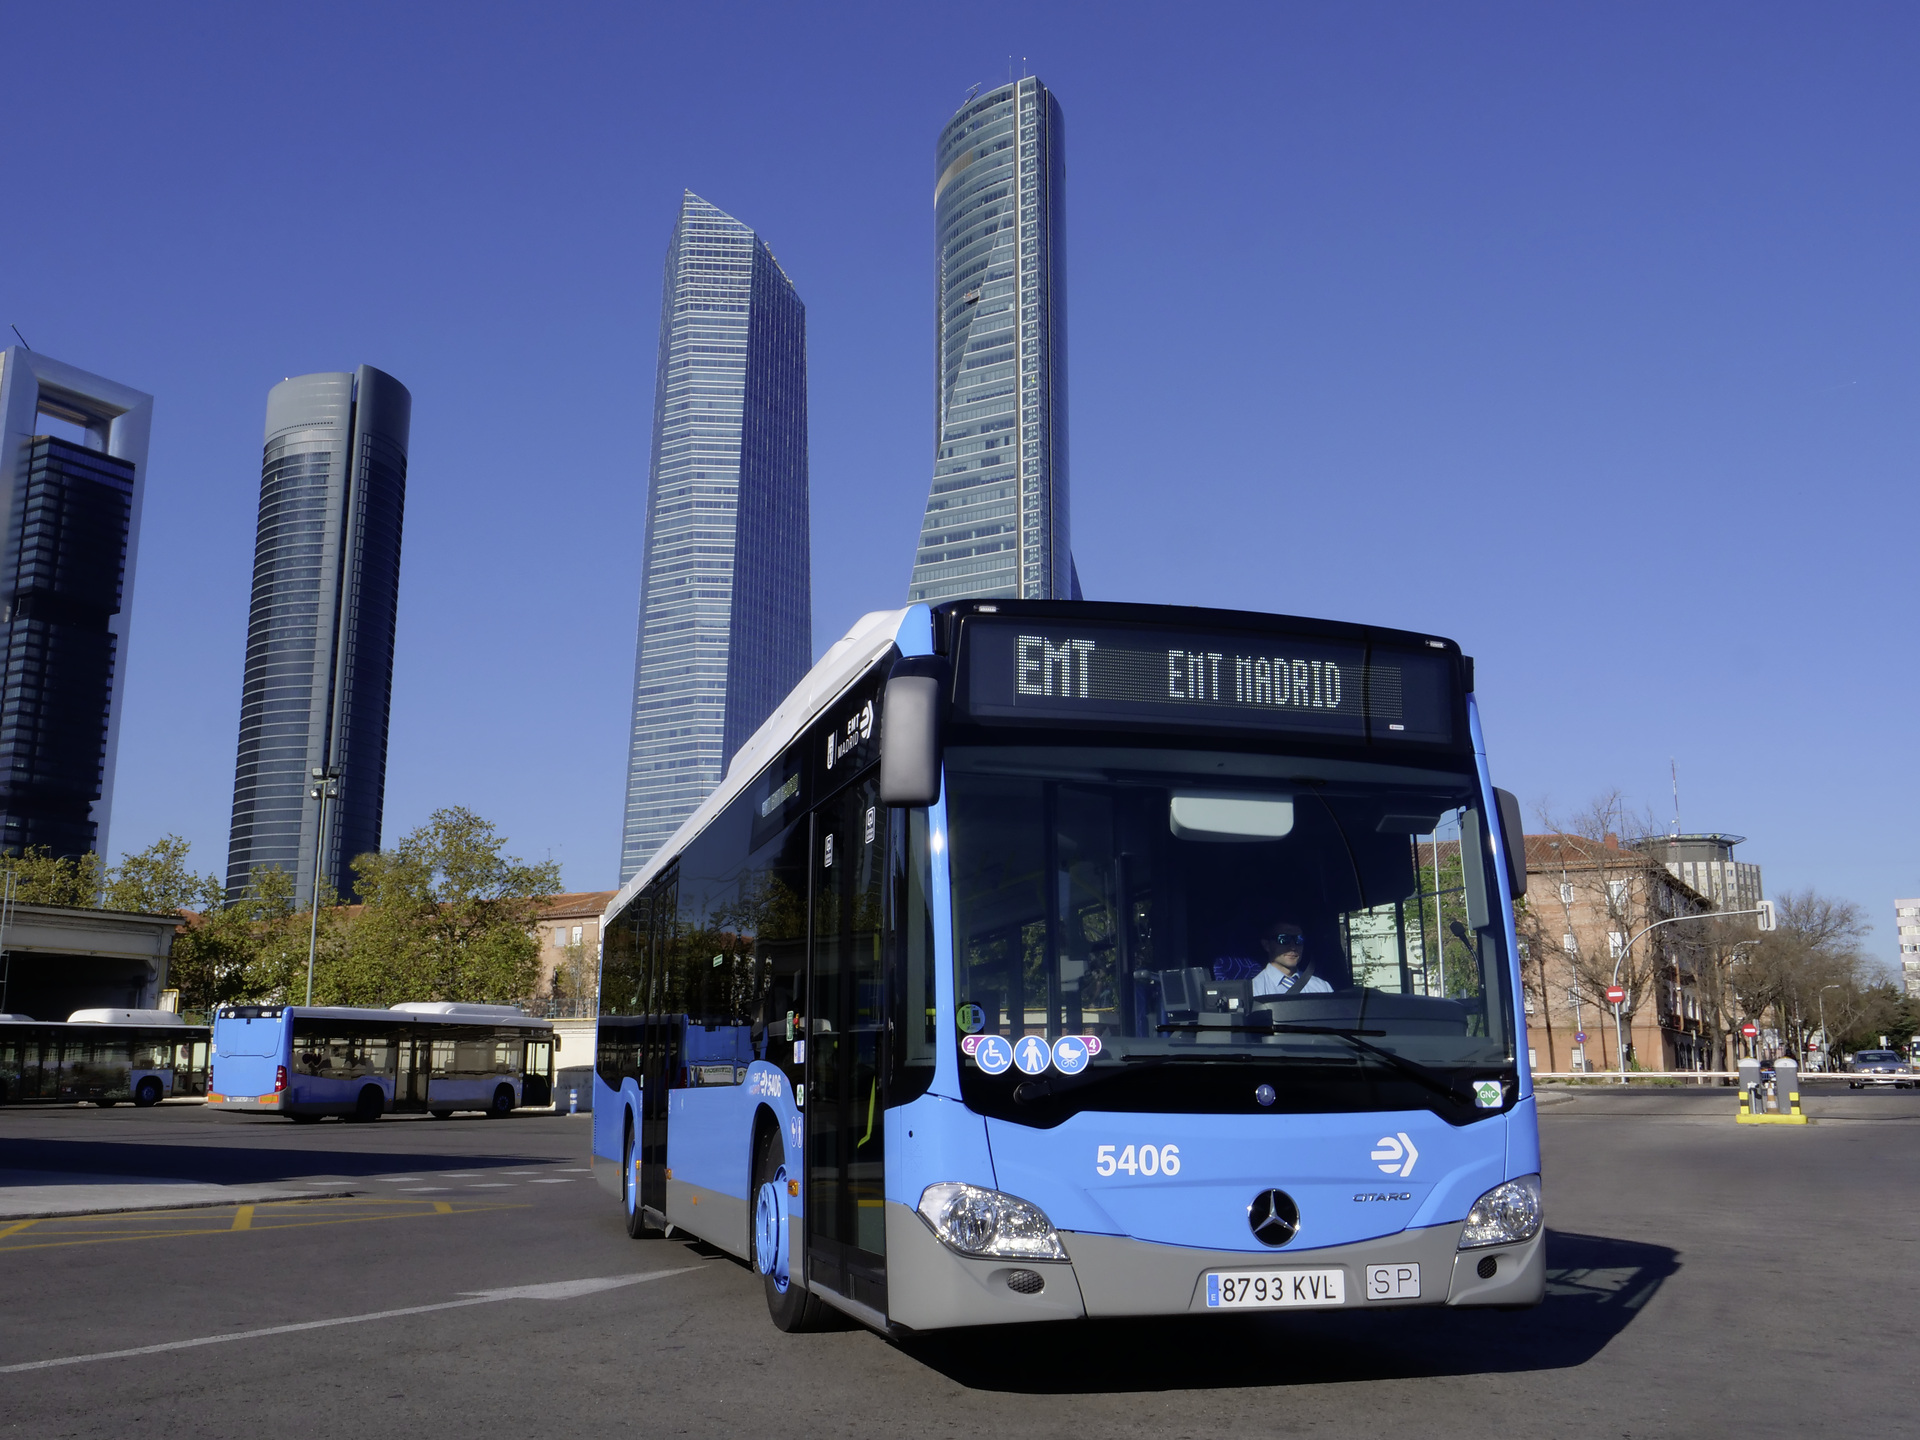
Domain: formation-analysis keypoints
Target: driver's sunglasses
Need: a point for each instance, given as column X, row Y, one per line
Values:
column 1284, row 938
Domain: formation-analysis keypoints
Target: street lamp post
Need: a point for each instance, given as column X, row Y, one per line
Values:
column 326, row 786
column 1764, row 910
column 1826, row 1040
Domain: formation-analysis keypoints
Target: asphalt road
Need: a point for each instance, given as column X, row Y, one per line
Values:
column 1707, row 1280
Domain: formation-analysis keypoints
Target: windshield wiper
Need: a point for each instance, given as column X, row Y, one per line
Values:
column 1413, row 1069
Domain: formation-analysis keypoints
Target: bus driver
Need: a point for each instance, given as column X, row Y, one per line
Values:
column 1284, row 974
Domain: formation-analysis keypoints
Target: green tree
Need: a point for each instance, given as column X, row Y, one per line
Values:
column 255, row 948
column 158, row 881
column 42, row 878
column 446, row 915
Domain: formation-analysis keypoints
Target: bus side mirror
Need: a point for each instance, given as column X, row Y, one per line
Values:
column 910, row 719
column 1513, row 841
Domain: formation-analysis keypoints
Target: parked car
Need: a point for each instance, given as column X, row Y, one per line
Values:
column 1879, row 1067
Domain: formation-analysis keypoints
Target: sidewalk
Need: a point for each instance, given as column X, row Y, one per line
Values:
column 37, row 1194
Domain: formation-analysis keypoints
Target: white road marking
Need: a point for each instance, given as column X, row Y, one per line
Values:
column 555, row 1290
column 491, row 1185
column 423, row 1189
column 553, row 1180
column 396, row 1179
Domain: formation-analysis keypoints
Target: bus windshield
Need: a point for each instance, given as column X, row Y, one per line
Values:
column 1190, row 908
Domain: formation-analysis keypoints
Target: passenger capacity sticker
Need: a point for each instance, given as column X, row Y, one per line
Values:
column 1070, row 1054
column 995, row 1055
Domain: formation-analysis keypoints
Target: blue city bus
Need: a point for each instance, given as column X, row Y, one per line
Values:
column 436, row 1057
column 1040, row 960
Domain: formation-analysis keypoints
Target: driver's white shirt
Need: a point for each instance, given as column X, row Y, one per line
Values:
column 1272, row 980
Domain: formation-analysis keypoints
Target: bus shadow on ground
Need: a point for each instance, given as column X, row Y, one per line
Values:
column 63, row 1162
column 1595, row 1288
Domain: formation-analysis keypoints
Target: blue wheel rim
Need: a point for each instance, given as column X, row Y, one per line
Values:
column 770, row 1229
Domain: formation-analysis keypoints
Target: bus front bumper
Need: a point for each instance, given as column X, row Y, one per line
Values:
column 929, row 1287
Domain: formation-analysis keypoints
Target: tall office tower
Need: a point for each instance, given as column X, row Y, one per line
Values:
column 69, row 534
column 726, row 610
column 326, row 586
column 997, row 521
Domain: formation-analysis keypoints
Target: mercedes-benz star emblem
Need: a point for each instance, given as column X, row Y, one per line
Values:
column 1274, row 1218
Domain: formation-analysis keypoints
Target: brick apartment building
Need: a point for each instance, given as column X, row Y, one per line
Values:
column 569, row 934
column 1586, row 902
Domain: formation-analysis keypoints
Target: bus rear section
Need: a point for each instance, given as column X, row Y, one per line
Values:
column 434, row 1057
column 1181, row 979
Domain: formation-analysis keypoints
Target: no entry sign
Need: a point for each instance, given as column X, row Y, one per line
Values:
column 1749, row 1030
column 1615, row 994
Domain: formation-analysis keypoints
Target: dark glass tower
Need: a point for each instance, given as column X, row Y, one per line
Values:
column 998, row 519
column 326, row 585
column 726, row 615
column 71, row 510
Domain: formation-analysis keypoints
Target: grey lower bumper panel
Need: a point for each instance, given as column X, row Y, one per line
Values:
column 931, row 1288
column 1119, row 1276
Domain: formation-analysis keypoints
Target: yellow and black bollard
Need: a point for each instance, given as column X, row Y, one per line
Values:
column 1786, row 1083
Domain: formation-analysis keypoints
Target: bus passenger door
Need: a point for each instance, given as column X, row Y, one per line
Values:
column 414, row 1058
column 846, row 1219
column 536, row 1073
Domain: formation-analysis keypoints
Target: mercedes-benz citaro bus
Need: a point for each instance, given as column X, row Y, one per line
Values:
column 434, row 1056
column 106, row 1056
column 1039, row 960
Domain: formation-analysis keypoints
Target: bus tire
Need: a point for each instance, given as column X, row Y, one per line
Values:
column 441, row 1114
column 502, row 1103
column 371, row 1104
column 148, row 1095
column 792, row 1307
column 637, row 1227
column 303, row 1117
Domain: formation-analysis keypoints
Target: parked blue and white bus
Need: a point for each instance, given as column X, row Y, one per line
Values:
column 105, row 1056
column 307, row 1062
column 1038, row 960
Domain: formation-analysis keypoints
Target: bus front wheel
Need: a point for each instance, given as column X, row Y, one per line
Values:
column 148, row 1095
column 791, row 1305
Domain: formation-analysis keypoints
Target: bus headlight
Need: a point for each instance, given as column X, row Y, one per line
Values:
column 1505, row 1215
column 981, row 1222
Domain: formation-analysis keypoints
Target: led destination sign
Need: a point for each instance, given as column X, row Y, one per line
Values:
column 1030, row 668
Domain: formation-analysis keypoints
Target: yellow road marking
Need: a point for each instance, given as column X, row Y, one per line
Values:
column 15, row 1228
column 179, row 1224
column 243, row 1217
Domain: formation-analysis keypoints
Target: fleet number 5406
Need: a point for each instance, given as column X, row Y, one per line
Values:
column 1138, row 1160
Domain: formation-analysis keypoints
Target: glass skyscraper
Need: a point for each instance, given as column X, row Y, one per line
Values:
column 726, row 613
column 997, row 521
column 326, row 588
column 69, row 535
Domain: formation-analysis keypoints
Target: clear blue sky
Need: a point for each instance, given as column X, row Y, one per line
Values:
column 1583, row 333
